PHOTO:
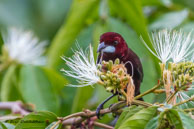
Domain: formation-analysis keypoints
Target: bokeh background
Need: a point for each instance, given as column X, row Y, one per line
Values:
column 63, row 23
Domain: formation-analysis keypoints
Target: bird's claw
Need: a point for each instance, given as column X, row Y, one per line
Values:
column 100, row 107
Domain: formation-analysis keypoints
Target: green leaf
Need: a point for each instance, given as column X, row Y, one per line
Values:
column 38, row 89
column 139, row 119
column 81, row 12
column 171, row 118
column 185, row 3
column 127, row 112
column 2, row 125
column 75, row 99
column 1, row 43
column 169, row 20
column 100, row 28
column 174, row 119
column 6, row 126
column 151, row 2
column 10, row 90
column 188, row 26
column 37, row 120
column 57, row 81
column 153, row 123
column 156, row 122
column 187, row 121
column 83, row 94
column 131, row 11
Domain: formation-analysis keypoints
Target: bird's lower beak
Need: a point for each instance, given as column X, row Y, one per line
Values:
column 101, row 46
column 105, row 48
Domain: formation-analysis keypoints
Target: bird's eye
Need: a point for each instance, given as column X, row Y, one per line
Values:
column 115, row 42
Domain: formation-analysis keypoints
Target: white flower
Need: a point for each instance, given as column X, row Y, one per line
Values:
column 171, row 45
column 24, row 47
column 183, row 46
column 83, row 68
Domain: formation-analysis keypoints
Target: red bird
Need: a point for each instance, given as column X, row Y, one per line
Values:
column 113, row 46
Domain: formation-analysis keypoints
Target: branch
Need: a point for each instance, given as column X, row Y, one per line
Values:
column 185, row 101
column 159, row 91
column 16, row 107
column 170, row 97
column 148, row 91
column 104, row 126
column 79, row 117
column 189, row 110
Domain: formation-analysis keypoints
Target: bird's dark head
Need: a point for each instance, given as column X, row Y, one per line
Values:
column 112, row 43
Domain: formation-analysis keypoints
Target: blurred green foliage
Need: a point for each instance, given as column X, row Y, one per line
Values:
column 65, row 22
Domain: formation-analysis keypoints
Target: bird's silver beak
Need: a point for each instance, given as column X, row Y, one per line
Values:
column 105, row 48
column 101, row 46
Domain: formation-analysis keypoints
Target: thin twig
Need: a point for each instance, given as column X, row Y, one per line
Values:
column 73, row 115
column 104, row 126
column 185, row 101
column 172, row 95
column 189, row 109
column 15, row 107
column 159, row 91
column 148, row 91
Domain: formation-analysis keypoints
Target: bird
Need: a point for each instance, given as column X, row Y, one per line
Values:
column 112, row 46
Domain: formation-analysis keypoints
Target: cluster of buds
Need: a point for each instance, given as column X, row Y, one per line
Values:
column 182, row 74
column 177, row 77
column 115, row 79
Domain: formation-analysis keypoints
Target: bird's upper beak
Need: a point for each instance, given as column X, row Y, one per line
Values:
column 105, row 48
column 101, row 46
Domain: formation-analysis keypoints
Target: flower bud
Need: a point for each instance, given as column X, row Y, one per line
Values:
column 110, row 64
column 117, row 61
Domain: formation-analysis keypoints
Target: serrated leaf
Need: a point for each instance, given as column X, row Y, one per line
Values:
column 37, row 120
column 139, row 119
column 38, row 89
column 10, row 90
column 127, row 112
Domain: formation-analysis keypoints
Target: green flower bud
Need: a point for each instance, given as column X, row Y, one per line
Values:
column 120, row 72
column 99, row 67
column 109, row 89
column 170, row 66
column 110, row 64
column 117, row 61
column 103, row 77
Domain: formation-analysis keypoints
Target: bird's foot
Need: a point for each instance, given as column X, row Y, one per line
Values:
column 100, row 107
